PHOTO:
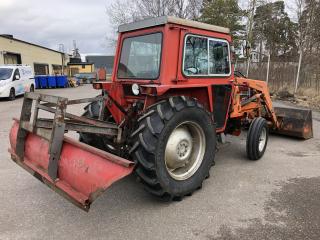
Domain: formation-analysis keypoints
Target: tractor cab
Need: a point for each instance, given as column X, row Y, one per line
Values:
column 164, row 56
column 170, row 50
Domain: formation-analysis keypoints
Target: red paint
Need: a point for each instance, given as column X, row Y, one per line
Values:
column 171, row 81
column 102, row 73
column 83, row 170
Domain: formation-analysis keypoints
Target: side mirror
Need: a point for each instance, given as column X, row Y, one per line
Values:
column 16, row 77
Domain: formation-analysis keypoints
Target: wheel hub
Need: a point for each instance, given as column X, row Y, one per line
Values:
column 262, row 139
column 179, row 148
column 185, row 150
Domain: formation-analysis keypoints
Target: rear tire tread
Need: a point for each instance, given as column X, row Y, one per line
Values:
column 160, row 113
column 149, row 180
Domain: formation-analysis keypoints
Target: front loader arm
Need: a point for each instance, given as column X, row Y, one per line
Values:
column 254, row 103
column 286, row 121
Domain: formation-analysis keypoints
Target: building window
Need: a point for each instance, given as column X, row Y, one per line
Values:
column 74, row 71
column 41, row 69
column 83, row 66
column 12, row 58
column 57, row 69
column 205, row 56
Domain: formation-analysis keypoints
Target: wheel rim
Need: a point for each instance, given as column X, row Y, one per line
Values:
column 185, row 150
column 262, row 139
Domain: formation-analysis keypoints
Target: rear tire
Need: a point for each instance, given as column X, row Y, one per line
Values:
column 257, row 138
column 32, row 88
column 12, row 94
column 98, row 141
column 174, row 148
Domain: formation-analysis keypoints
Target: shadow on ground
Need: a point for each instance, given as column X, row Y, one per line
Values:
column 293, row 212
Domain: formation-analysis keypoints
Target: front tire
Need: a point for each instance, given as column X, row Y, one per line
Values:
column 257, row 138
column 174, row 147
column 12, row 94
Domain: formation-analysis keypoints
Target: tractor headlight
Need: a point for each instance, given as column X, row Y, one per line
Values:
column 135, row 89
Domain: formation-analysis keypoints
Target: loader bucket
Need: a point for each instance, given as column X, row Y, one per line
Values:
column 83, row 172
column 294, row 122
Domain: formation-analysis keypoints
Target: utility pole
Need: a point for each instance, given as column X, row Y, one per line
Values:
column 61, row 49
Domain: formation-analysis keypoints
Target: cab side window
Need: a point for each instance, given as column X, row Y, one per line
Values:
column 196, row 56
column 204, row 56
column 219, row 57
column 16, row 75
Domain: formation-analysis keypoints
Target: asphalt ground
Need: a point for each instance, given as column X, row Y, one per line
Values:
column 277, row 197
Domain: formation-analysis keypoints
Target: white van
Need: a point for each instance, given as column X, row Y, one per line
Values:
column 15, row 80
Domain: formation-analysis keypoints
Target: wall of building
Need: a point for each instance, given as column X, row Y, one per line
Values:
column 80, row 68
column 99, row 61
column 30, row 54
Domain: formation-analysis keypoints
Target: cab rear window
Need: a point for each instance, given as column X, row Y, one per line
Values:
column 140, row 57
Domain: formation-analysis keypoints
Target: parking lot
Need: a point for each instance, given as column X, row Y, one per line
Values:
column 277, row 197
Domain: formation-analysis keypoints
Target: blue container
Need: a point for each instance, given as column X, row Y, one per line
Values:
column 37, row 82
column 43, row 82
column 52, row 81
column 62, row 81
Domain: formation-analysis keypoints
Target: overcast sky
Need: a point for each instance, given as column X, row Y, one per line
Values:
column 50, row 23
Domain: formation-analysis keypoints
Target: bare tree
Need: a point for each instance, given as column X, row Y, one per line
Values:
column 121, row 12
column 124, row 11
column 249, row 40
column 300, row 5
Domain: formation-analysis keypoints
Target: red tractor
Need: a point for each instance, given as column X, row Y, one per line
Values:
column 173, row 95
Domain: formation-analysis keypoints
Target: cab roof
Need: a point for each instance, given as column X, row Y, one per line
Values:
column 157, row 21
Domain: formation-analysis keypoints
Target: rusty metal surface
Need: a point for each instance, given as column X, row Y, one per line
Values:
column 294, row 122
column 80, row 119
column 78, row 127
column 84, row 172
column 78, row 101
column 75, row 170
column 57, row 125
column 43, row 97
column 22, row 133
column 58, row 129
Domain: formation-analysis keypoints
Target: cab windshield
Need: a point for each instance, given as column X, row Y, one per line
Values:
column 5, row 73
column 140, row 57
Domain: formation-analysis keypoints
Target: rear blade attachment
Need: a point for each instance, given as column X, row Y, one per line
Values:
column 77, row 171
column 294, row 122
